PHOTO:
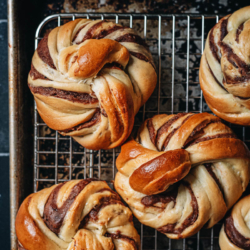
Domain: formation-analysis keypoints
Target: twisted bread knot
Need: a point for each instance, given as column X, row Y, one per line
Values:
column 225, row 68
column 89, row 79
column 155, row 179
column 235, row 232
column 76, row 215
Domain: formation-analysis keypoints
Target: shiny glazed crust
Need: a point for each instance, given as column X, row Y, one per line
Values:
column 235, row 232
column 224, row 69
column 155, row 179
column 89, row 79
column 80, row 214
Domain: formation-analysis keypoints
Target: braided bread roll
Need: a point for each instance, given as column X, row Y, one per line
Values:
column 155, row 179
column 235, row 232
column 89, row 79
column 75, row 215
column 225, row 66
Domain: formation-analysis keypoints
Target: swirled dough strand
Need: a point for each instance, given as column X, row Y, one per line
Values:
column 89, row 79
column 235, row 232
column 75, row 215
column 155, row 176
column 225, row 68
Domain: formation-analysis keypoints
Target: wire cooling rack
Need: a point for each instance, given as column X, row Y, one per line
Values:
column 176, row 43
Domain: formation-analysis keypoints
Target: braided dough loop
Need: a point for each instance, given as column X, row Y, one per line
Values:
column 80, row 214
column 186, row 200
column 89, row 79
column 235, row 232
column 225, row 66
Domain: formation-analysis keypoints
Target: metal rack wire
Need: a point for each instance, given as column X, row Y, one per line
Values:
column 176, row 43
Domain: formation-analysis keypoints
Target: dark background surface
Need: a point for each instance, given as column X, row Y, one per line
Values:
column 37, row 10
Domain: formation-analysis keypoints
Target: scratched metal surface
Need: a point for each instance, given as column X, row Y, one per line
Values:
column 143, row 6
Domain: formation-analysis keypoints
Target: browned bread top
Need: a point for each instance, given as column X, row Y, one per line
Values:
column 224, row 69
column 76, row 215
column 89, row 79
column 156, row 180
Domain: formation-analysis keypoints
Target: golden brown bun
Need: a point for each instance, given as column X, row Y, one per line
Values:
column 235, row 232
column 155, row 179
column 158, row 172
column 80, row 214
column 89, row 79
column 224, row 69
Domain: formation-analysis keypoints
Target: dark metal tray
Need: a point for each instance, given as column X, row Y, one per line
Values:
column 176, row 42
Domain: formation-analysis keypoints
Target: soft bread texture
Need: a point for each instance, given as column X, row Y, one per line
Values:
column 157, row 171
column 235, row 232
column 225, row 65
column 155, row 179
column 80, row 214
column 89, row 79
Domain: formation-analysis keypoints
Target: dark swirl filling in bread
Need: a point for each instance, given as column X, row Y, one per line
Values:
column 190, row 220
column 53, row 215
column 235, row 236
